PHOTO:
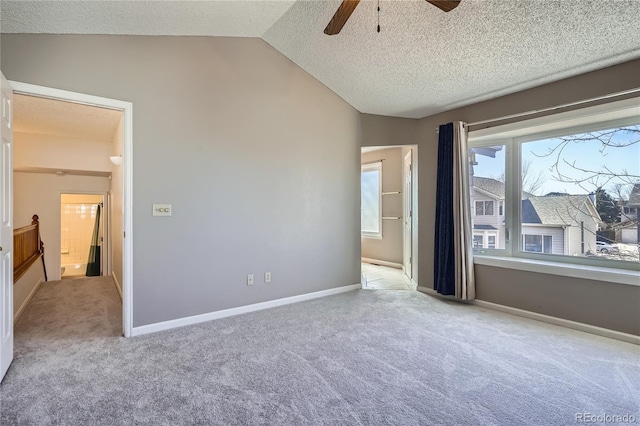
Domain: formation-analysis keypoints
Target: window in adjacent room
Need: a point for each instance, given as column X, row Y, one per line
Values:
column 371, row 211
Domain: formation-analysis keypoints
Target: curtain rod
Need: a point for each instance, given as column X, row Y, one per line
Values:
column 554, row 108
column 568, row 105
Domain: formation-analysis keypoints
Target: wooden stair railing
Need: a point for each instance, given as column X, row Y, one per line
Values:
column 27, row 248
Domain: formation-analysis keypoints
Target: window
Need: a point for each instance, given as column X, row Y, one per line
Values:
column 370, row 200
column 558, row 184
column 484, row 208
column 537, row 243
column 488, row 189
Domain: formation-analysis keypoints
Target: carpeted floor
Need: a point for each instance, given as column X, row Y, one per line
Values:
column 358, row 358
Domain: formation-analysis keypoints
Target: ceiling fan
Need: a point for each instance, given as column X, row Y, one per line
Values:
column 348, row 6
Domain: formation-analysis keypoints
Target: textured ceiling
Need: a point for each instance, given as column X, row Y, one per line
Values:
column 424, row 61
column 234, row 18
column 51, row 117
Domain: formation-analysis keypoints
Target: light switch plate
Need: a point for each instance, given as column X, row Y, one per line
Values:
column 162, row 209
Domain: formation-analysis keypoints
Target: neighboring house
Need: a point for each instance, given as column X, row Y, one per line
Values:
column 629, row 209
column 627, row 231
column 554, row 224
column 487, row 209
column 560, row 224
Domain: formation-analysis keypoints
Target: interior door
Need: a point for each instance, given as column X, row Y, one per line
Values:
column 407, row 198
column 6, row 230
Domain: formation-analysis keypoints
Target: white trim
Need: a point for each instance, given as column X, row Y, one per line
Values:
column 117, row 284
column 382, row 263
column 20, row 311
column 196, row 319
column 127, row 175
column 414, row 284
column 597, row 273
column 574, row 325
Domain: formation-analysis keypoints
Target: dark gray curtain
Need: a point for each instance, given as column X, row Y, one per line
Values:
column 93, row 263
column 444, row 266
column 453, row 252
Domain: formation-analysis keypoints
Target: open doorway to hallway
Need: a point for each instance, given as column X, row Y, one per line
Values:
column 66, row 171
column 389, row 200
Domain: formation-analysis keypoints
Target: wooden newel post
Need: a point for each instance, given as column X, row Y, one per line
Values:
column 34, row 221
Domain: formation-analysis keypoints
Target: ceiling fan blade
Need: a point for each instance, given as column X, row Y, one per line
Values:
column 445, row 5
column 341, row 16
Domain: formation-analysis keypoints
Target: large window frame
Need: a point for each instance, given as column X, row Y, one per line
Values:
column 513, row 136
column 372, row 233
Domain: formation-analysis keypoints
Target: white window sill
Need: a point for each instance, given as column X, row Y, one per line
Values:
column 597, row 273
column 372, row 237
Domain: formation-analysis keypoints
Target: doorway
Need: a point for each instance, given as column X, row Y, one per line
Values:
column 117, row 202
column 84, row 250
column 388, row 215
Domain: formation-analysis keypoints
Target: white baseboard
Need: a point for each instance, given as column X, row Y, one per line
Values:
column 382, row 263
column 16, row 314
column 588, row 328
column 196, row 319
column 575, row 325
column 117, row 284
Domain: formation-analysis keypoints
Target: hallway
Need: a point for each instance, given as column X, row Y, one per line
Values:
column 376, row 277
column 71, row 311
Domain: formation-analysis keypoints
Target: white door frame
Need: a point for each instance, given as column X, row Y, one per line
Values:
column 127, row 173
column 407, row 214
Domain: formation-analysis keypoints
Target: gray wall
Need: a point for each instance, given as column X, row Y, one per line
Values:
column 603, row 304
column 259, row 160
column 390, row 247
column 491, row 284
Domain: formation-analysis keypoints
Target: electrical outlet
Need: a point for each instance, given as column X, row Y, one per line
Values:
column 250, row 279
column 267, row 277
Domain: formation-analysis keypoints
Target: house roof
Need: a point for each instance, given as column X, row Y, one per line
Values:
column 423, row 61
column 485, row 227
column 634, row 197
column 490, row 185
column 557, row 209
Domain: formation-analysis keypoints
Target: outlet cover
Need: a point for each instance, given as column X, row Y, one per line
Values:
column 162, row 209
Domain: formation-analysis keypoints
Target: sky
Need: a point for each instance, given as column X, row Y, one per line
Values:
column 585, row 154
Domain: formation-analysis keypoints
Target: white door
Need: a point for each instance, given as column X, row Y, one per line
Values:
column 407, row 198
column 6, row 230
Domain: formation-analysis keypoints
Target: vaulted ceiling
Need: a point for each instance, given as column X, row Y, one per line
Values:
column 423, row 61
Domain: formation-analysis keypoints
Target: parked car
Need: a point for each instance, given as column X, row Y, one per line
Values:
column 603, row 247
